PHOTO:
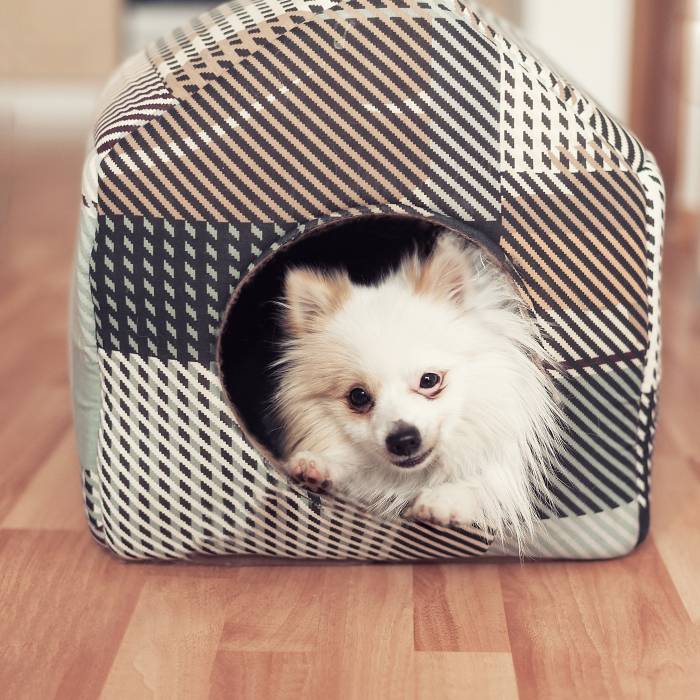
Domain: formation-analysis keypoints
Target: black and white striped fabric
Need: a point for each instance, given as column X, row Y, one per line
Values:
column 260, row 121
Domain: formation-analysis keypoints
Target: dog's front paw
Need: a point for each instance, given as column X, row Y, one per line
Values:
column 447, row 504
column 310, row 470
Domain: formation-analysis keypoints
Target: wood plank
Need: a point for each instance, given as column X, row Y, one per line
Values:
column 189, row 615
column 52, row 499
column 676, row 515
column 458, row 607
column 262, row 676
column 27, row 437
column 38, row 346
column 676, row 475
column 65, row 605
column 459, row 675
column 274, row 609
column 366, row 635
column 169, row 647
column 608, row 629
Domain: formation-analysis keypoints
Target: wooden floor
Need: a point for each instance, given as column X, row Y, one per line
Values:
column 77, row 623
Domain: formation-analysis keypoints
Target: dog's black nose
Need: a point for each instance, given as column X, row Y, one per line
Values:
column 404, row 440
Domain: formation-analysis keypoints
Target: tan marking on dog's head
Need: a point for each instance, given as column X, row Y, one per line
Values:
column 443, row 275
column 312, row 296
column 313, row 396
column 326, row 369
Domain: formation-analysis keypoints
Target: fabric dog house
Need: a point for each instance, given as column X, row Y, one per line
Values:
column 256, row 124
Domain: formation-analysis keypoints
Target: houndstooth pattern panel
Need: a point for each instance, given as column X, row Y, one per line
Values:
column 561, row 109
column 160, row 287
column 542, row 127
column 178, row 478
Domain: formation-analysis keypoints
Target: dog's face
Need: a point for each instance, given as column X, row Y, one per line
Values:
column 403, row 388
column 389, row 364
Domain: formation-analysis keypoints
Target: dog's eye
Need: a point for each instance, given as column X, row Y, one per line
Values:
column 359, row 398
column 429, row 380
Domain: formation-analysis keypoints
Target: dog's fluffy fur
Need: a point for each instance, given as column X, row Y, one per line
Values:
column 491, row 425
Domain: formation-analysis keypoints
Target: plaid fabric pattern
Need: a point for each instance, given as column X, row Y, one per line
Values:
column 259, row 121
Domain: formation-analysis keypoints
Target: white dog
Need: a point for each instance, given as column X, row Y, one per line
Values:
column 424, row 395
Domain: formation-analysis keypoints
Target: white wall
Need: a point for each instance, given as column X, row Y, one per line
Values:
column 589, row 41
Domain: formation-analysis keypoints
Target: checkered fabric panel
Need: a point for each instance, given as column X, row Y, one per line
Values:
column 257, row 122
column 161, row 287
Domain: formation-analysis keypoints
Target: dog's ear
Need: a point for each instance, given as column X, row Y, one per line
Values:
column 312, row 296
column 444, row 274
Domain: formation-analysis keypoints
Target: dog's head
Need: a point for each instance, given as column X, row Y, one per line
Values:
column 388, row 367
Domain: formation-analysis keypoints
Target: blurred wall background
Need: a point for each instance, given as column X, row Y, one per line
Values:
column 591, row 42
column 54, row 56
column 689, row 190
